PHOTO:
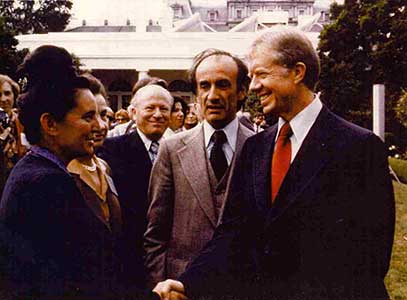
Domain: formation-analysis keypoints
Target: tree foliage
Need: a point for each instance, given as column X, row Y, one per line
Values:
column 9, row 57
column 365, row 44
column 39, row 16
column 401, row 109
column 25, row 17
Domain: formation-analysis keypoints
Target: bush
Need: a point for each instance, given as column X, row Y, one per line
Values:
column 401, row 108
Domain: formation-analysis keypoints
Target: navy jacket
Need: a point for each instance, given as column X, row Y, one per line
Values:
column 131, row 167
column 329, row 233
column 52, row 243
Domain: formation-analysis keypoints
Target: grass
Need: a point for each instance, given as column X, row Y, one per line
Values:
column 396, row 280
column 399, row 166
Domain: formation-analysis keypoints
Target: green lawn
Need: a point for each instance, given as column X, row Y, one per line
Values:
column 396, row 280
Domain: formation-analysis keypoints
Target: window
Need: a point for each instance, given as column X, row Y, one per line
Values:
column 239, row 14
column 177, row 11
column 212, row 16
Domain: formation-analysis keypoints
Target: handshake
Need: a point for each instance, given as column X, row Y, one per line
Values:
column 170, row 290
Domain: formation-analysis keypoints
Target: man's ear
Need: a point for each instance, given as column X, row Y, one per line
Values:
column 48, row 124
column 241, row 97
column 300, row 70
column 133, row 113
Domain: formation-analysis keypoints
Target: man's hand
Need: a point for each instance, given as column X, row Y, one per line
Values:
column 170, row 290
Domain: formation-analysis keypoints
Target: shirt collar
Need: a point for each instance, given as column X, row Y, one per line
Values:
column 230, row 131
column 147, row 142
column 47, row 154
column 302, row 122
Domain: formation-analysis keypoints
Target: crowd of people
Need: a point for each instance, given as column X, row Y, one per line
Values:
column 175, row 200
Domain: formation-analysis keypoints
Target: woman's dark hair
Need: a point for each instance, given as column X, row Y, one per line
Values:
column 183, row 104
column 52, row 83
column 95, row 85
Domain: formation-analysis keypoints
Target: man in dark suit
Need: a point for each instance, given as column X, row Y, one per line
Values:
column 310, row 213
column 187, row 190
column 131, row 158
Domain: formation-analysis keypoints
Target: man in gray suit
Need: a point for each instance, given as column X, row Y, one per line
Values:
column 192, row 170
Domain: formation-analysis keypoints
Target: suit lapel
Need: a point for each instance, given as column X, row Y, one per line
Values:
column 91, row 199
column 194, row 166
column 312, row 156
column 242, row 135
column 136, row 145
column 262, row 167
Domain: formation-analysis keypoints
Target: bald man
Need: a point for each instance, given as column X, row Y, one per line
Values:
column 131, row 158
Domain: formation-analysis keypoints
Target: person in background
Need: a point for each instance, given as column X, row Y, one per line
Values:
column 110, row 117
column 121, row 117
column 245, row 118
column 11, row 148
column 178, row 112
column 191, row 117
column 259, row 122
column 93, row 178
column 130, row 126
column 131, row 157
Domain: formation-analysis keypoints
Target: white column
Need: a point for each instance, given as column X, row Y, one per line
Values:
column 143, row 74
column 378, row 110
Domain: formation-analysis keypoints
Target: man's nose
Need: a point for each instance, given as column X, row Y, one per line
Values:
column 157, row 113
column 254, row 84
column 213, row 93
column 97, row 123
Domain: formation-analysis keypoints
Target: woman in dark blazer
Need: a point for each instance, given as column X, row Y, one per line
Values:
column 53, row 244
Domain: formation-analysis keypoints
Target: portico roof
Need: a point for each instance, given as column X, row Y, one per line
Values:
column 143, row 50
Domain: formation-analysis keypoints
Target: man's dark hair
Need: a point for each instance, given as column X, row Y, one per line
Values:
column 242, row 77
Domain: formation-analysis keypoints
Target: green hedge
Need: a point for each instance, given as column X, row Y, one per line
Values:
column 399, row 166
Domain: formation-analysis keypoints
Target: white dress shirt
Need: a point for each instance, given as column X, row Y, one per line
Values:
column 147, row 142
column 230, row 131
column 301, row 125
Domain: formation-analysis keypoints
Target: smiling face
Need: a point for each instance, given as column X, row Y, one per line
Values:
column 74, row 134
column 217, row 91
column 6, row 97
column 152, row 110
column 274, row 84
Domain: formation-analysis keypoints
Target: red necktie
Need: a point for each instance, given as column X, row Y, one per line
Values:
column 281, row 159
